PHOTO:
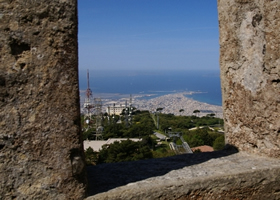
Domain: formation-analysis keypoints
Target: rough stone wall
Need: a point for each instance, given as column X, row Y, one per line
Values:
column 41, row 155
column 214, row 175
column 250, row 74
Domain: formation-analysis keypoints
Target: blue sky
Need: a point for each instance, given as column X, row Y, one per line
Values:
column 148, row 34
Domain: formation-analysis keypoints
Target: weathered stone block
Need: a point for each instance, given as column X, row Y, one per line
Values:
column 250, row 74
column 41, row 154
column 216, row 175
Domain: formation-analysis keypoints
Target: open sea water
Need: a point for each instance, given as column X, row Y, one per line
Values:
column 157, row 83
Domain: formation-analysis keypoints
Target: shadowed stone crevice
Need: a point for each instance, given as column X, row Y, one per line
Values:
column 256, row 20
column 264, row 50
column 18, row 47
column 276, row 81
column 2, row 146
column 77, row 162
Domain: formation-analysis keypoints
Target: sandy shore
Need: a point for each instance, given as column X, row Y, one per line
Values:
column 171, row 103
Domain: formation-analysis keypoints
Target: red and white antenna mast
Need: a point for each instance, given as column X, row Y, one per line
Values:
column 88, row 91
column 88, row 105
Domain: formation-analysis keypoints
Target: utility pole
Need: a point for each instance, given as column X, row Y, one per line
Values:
column 157, row 112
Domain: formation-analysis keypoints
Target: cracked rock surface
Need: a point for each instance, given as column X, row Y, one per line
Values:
column 250, row 74
column 41, row 154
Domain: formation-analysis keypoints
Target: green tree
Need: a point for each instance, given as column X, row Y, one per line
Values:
column 197, row 151
column 196, row 112
column 88, row 134
column 211, row 115
column 203, row 134
column 140, row 130
column 219, row 143
column 195, row 141
column 124, row 151
column 181, row 110
column 91, row 156
column 159, row 109
column 148, row 141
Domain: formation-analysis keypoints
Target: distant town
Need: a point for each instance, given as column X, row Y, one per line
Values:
column 119, row 128
column 171, row 104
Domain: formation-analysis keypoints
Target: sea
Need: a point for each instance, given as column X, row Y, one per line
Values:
column 205, row 84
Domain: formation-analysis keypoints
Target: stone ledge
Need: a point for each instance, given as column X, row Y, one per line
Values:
column 223, row 174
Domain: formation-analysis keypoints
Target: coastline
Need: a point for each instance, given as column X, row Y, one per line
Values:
column 171, row 103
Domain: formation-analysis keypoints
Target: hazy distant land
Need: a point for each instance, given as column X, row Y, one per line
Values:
column 171, row 103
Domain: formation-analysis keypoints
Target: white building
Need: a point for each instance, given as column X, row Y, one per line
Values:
column 117, row 110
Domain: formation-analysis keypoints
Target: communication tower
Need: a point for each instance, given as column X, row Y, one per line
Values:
column 88, row 105
column 98, row 115
column 108, row 114
column 93, row 109
column 128, row 112
column 114, row 113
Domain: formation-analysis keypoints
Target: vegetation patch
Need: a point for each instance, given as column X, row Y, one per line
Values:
column 196, row 131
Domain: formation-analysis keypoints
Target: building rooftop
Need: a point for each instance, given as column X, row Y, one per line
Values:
column 96, row 145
